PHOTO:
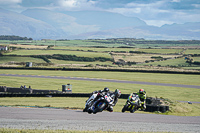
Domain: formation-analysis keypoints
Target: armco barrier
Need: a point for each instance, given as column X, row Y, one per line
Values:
column 45, row 95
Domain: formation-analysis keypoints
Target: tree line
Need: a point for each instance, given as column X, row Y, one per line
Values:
column 12, row 37
column 71, row 58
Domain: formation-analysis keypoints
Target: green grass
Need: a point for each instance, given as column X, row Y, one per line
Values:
column 176, row 108
column 196, row 59
column 112, row 49
column 78, row 86
column 83, row 48
column 186, row 79
column 78, row 63
column 171, row 62
column 7, row 59
column 86, row 43
column 72, row 43
column 51, row 52
column 161, row 51
column 192, row 51
column 89, row 86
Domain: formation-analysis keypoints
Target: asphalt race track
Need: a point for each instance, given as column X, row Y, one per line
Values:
column 48, row 118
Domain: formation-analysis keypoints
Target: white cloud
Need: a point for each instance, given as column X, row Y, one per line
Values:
column 159, row 13
column 76, row 4
column 10, row 1
column 125, row 11
column 196, row 5
column 176, row 1
column 158, row 22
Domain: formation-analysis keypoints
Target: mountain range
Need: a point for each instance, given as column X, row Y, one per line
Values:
column 46, row 24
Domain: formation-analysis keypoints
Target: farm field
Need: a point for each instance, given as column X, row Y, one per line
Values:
column 98, row 54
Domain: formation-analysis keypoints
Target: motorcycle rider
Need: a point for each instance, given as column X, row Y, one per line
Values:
column 106, row 89
column 99, row 93
column 142, row 96
column 115, row 95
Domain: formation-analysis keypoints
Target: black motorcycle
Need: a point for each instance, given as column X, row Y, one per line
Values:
column 101, row 104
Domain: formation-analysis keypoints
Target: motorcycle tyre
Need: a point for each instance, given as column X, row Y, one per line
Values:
column 99, row 109
column 85, row 110
column 125, row 108
column 89, row 111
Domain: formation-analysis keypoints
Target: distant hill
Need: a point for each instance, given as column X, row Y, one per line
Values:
column 105, row 20
column 17, row 24
column 40, row 24
column 63, row 22
column 187, row 31
column 77, row 22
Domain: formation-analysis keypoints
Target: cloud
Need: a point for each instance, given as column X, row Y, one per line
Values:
column 154, row 12
column 76, row 4
column 161, row 12
column 12, row 5
column 175, row 0
column 10, row 1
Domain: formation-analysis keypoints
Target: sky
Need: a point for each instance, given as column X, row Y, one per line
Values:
column 153, row 12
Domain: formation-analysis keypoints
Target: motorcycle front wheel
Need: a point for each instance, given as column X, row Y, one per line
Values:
column 100, row 107
column 125, row 108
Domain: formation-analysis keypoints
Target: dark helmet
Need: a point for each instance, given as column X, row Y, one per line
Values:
column 141, row 91
column 106, row 89
column 117, row 93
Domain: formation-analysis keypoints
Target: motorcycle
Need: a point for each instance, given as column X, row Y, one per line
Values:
column 132, row 104
column 101, row 104
column 90, row 102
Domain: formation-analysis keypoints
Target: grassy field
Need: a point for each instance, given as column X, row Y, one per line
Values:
column 173, row 62
column 51, row 52
column 8, row 60
column 161, row 51
column 192, row 51
column 78, row 86
column 176, row 108
column 124, row 56
column 109, row 49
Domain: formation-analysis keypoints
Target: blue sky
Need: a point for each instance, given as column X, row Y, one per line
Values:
column 153, row 12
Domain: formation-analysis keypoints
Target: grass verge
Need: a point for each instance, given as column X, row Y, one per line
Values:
column 176, row 108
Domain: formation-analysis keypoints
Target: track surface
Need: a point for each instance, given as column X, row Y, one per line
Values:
column 103, row 80
column 47, row 118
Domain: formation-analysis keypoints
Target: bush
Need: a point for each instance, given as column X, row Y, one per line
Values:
column 196, row 62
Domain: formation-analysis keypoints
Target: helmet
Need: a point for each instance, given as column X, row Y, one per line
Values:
column 141, row 91
column 117, row 93
column 106, row 89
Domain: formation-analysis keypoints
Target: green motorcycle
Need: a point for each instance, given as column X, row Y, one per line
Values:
column 132, row 104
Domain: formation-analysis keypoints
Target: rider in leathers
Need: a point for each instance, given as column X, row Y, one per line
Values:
column 115, row 95
column 100, row 93
column 142, row 96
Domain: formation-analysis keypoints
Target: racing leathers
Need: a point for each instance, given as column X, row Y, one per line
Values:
column 142, row 97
